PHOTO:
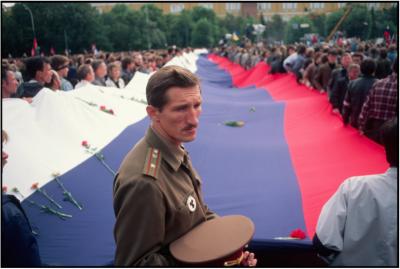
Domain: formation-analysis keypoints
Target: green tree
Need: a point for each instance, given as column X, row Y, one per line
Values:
column 181, row 30
column 117, row 28
column 199, row 13
column 201, row 35
column 274, row 28
column 53, row 21
column 235, row 24
column 332, row 19
column 373, row 30
column 358, row 14
column 10, row 33
column 383, row 19
column 319, row 22
column 357, row 24
column 294, row 32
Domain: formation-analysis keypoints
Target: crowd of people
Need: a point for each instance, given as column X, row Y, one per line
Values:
column 24, row 78
column 360, row 78
column 357, row 225
column 361, row 84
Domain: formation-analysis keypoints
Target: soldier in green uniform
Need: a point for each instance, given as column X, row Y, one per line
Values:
column 157, row 192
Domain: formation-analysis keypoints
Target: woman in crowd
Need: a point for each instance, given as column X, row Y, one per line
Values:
column 114, row 76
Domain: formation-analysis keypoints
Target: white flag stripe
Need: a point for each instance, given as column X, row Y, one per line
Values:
column 46, row 136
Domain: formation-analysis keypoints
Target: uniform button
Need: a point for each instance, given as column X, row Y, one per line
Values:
column 156, row 151
column 154, row 155
column 152, row 165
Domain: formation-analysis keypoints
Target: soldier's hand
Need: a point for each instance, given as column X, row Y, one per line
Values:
column 249, row 259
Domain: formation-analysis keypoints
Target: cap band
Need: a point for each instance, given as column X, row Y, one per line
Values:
column 234, row 262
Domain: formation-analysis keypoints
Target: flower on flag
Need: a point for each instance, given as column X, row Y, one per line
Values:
column 49, row 210
column 67, row 195
column 4, row 189
column 298, row 233
column 238, row 123
column 98, row 154
column 35, row 186
column 104, row 109
column 138, row 100
column 15, row 189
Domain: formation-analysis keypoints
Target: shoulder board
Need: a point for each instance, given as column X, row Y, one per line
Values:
column 152, row 163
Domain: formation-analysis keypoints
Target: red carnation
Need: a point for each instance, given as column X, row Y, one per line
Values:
column 103, row 107
column 111, row 111
column 298, row 233
column 35, row 186
column 85, row 143
column 4, row 188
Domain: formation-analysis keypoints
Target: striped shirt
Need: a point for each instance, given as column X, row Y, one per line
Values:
column 381, row 102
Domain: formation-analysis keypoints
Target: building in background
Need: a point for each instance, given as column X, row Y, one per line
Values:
column 286, row 10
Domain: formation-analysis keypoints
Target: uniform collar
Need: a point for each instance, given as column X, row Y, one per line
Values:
column 172, row 154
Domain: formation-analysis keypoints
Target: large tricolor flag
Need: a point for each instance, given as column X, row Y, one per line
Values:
column 278, row 169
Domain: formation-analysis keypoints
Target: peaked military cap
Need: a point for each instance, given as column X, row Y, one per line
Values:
column 217, row 242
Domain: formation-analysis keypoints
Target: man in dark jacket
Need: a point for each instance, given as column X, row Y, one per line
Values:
column 128, row 69
column 383, row 65
column 337, row 86
column 357, row 92
column 38, row 71
column 324, row 72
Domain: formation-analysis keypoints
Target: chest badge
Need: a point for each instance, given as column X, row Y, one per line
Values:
column 191, row 203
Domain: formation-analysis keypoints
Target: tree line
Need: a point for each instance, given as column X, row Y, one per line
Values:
column 76, row 26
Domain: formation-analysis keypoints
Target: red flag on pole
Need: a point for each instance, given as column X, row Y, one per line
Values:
column 35, row 43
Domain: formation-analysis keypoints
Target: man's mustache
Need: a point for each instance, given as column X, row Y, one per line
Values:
column 189, row 127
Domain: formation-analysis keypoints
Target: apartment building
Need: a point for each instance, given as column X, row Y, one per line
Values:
column 286, row 10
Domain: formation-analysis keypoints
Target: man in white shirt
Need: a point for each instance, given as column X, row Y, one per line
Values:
column 358, row 224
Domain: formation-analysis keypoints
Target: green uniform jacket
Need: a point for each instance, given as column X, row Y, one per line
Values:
column 157, row 199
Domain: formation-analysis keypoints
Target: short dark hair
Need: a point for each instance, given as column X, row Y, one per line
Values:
column 383, row 53
column 390, row 140
column 324, row 58
column 126, row 61
column 165, row 78
column 35, row 64
column 83, row 71
column 59, row 62
column 368, row 67
column 301, row 49
column 333, row 52
column 359, row 55
column 96, row 64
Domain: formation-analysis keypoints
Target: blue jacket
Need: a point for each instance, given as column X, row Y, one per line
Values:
column 19, row 245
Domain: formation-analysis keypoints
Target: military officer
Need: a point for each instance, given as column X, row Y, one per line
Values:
column 157, row 195
column 157, row 192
